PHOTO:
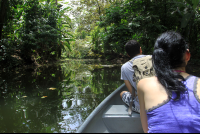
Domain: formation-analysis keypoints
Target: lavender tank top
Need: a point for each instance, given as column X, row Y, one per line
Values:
column 182, row 116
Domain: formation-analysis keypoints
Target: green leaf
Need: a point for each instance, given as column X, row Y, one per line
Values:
column 68, row 46
column 195, row 3
column 189, row 2
column 185, row 19
column 198, row 19
column 69, row 34
column 52, row 53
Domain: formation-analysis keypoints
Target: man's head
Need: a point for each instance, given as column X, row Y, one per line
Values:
column 133, row 48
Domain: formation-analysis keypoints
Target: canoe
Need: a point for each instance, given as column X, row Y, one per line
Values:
column 111, row 116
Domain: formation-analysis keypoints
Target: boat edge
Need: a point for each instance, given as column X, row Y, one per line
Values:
column 97, row 109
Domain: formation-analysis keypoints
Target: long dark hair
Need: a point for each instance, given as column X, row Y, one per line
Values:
column 167, row 55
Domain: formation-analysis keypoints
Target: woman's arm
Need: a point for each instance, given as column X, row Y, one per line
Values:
column 143, row 115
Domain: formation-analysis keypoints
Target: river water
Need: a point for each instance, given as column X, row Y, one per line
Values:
column 55, row 98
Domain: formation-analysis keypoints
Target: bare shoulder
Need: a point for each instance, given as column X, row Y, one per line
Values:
column 147, row 83
column 147, row 80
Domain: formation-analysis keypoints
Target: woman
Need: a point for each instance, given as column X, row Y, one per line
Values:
column 169, row 102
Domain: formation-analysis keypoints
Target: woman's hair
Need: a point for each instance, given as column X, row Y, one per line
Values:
column 168, row 54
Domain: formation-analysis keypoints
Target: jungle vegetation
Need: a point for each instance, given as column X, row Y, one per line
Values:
column 33, row 31
column 42, row 31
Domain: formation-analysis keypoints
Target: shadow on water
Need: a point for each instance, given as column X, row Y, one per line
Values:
column 55, row 98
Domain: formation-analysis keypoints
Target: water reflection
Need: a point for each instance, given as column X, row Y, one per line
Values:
column 53, row 98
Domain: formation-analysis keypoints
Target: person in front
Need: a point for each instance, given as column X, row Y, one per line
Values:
column 169, row 102
column 134, row 51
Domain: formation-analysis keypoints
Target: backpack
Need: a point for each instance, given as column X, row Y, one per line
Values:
column 143, row 68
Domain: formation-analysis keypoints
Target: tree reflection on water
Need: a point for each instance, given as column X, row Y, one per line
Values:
column 55, row 98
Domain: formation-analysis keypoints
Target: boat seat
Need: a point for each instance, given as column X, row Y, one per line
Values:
column 117, row 120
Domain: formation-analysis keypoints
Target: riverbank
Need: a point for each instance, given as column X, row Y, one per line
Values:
column 193, row 66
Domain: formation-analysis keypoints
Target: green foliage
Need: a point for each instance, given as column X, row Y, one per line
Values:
column 34, row 32
column 86, row 16
column 145, row 20
column 96, row 49
column 79, row 49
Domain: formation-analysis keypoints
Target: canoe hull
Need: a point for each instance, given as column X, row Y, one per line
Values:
column 111, row 116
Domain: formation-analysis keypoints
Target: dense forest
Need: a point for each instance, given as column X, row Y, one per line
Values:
column 34, row 32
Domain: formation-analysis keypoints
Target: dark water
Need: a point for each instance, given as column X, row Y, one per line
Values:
column 56, row 98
